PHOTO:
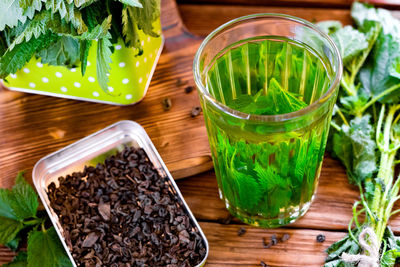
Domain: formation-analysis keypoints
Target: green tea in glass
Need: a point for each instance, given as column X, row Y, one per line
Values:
column 267, row 85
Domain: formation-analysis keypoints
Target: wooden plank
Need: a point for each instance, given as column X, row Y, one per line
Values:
column 229, row 249
column 33, row 126
column 6, row 255
column 194, row 16
column 331, row 209
column 390, row 4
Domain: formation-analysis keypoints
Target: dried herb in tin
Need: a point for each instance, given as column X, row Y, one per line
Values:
column 123, row 213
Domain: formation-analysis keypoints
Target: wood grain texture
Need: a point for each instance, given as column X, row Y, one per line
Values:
column 229, row 249
column 33, row 126
column 221, row 14
column 391, row 4
column 330, row 210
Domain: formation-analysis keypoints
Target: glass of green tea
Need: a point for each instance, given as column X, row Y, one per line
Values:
column 267, row 84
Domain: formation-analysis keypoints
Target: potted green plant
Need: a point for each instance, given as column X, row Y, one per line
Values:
column 102, row 51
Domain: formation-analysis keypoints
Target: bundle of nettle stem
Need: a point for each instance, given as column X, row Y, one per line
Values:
column 365, row 133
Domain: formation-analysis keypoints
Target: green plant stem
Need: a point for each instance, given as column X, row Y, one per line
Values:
column 350, row 90
column 334, row 125
column 383, row 196
column 376, row 98
column 33, row 221
column 341, row 115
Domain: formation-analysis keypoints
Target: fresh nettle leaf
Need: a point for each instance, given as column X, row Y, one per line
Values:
column 6, row 199
column 19, row 216
column 83, row 3
column 130, row 29
column 103, row 61
column 330, row 26
column 61, row 31
column 84, row 53
column 19, row 203
column 379, row 77
column 350, row 43
column 361, row 144
column 14, row 60
column 361, row 13
column 132, row 3
column 64, row 52
column 25, row 202
column 11, row 13
column 33, row 28
column 9, row 229
column 146, row 16
column 46, row 241
column 98, row 32
column 355, row 146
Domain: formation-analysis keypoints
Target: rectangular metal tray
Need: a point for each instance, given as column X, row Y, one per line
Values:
column 95, row 149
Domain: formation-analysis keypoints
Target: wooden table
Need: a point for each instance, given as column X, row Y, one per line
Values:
column 33, row 126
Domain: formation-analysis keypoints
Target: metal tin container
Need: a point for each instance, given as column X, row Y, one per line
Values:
column 95, row 149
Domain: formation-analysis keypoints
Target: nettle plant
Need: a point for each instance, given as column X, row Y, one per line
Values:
column 61, row 32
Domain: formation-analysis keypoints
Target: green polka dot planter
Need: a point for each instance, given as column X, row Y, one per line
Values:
column 130, row 75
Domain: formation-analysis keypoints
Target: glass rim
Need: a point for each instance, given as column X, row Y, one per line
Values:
column 269, row 118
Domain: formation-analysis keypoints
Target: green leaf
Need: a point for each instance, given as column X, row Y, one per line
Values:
column 6, row 199
column 64, row 52
column 329, row 26
column 362, row 13
column 19, row 261
column 85, row 47
column 25, row 4
column 66, row 11
column 355, row 146
column 48, row 242
column 380, row 73
column 13, row 244
column 14, row 60
column 335, row 251
column 25, row 202
column 388, row 259
column 33, row 28
column 99, row 32
column 103, row 61
column 133, row 3
column 130, row 30
column 268, row 178
column 83, row 3
column 249, row 191
column 11, row 13
column 9, row 229
column 350, row 43
column 145, row 16
column 283, row 101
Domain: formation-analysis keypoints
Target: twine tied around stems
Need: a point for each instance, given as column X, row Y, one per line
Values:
column 370, row 247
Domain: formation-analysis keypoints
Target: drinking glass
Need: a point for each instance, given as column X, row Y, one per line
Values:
column 267, row 166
